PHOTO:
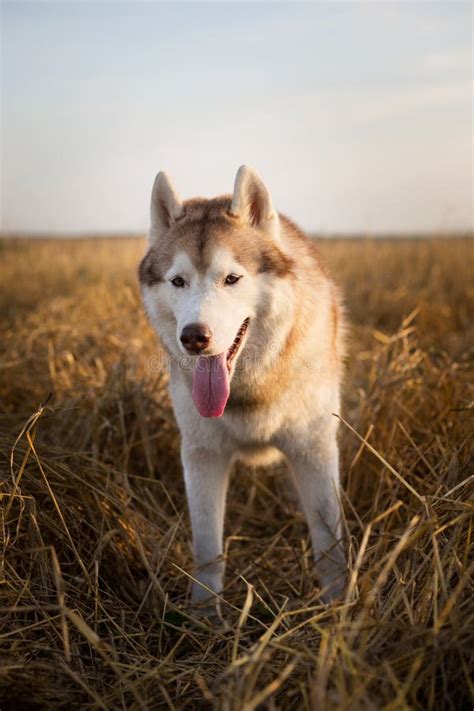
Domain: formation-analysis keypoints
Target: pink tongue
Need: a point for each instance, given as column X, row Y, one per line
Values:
column 211, row 385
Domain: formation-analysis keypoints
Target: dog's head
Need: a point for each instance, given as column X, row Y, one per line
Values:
column 202, row 279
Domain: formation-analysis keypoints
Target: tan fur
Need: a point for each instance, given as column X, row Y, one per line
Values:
column 205, row 225
column 259, row 456
column 285, row 380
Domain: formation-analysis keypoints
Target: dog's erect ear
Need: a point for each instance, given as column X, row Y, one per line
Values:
column 166, row 206
column 252, row 202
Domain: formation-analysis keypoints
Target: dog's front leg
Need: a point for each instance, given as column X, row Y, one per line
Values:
column 206, row 473
column 315, row 466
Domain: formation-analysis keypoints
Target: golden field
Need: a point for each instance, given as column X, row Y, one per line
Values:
column 95, row 558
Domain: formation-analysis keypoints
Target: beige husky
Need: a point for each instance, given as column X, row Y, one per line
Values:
column 254, row 329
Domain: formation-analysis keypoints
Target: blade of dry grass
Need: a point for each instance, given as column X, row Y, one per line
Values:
column 95, row 551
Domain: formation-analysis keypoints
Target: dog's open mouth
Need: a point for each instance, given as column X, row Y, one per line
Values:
column 235, row 347
column 211, row 376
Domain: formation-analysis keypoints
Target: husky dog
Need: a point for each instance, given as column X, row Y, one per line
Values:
column 254, row 330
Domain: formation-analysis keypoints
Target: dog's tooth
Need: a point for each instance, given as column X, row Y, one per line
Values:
column 237, row 341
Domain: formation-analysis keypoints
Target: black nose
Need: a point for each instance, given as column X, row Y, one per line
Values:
column 195, row 337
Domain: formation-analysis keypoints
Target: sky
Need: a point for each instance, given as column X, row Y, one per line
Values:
column 357, row 115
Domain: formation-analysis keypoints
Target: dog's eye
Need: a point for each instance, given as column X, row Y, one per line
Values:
column 231, row 279
column 178, row 282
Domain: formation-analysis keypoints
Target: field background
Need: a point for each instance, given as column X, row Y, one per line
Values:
column 95, row 535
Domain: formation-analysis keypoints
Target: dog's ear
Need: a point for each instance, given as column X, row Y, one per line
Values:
column 251, row 202
column 166, row 206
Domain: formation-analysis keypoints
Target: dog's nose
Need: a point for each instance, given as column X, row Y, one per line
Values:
column 195, row 337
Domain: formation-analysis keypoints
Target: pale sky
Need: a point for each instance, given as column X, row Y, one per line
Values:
column 358, row 115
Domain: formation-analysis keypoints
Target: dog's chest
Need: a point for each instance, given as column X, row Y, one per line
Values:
column 247, row 426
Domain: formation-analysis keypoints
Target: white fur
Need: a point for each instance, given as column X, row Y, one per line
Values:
column 300, row 424
column 204, row 300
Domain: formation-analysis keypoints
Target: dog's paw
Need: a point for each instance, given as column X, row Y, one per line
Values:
column 208, row 608
column 210, row 614
column 333, row 589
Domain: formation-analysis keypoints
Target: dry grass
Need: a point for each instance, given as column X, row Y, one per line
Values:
column 95, row 533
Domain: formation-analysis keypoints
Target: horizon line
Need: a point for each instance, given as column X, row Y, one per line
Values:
column 321, row 234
